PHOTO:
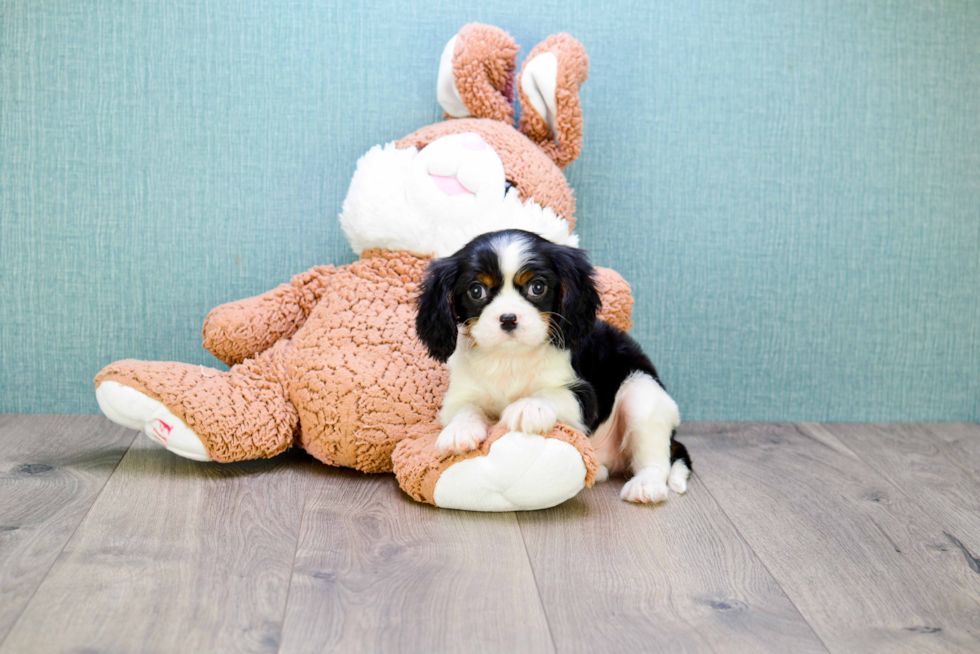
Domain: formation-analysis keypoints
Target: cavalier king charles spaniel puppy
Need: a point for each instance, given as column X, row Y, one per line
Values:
column 514, row 316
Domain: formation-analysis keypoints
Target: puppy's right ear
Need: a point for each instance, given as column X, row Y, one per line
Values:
column 578, row 298
column 435, row 322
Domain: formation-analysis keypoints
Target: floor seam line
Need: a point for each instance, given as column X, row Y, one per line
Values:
column 537, row 588
column 763, row 563
column 292, row 567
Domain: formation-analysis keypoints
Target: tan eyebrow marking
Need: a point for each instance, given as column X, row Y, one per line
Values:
column 523, row 277
column 486, row 280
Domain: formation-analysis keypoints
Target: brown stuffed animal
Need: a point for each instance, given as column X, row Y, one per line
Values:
column 330, row 361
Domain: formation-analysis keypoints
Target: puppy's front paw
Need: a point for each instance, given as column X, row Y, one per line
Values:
column 529, row 415
column 461, row 436
column 648, row 486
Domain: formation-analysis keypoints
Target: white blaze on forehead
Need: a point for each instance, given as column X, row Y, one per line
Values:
column 512, row 254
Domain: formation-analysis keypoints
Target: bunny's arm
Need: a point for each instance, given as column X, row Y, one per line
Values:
column 617, row 300
column 240, row 330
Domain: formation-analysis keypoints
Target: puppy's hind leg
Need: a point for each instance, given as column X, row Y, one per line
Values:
column 680, row 467
column 608, row 443
column 651, row 416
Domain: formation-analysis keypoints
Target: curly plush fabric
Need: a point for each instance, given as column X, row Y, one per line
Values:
column 361, row 379
column 239, row 415
column 484, row 61
column 236, row 331
column 573, row 69
column 617, row 300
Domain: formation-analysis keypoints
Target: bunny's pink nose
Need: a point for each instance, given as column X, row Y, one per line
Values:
column 449, row 185
column 473, row 141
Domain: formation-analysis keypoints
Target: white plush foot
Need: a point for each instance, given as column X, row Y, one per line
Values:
column 679, row 474
column 648, row 486
column 521, row 473
column 461, row 435
column 529, row 415
column 128, row 407
column 601, row 474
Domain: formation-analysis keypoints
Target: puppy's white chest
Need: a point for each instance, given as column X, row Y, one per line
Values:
column 512, row 382
column 497, row 381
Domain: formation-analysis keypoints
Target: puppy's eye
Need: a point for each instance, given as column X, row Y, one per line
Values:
column 508, row 185
column 536, row 288
column 478, row 291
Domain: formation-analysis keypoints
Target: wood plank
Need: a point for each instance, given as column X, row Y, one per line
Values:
column 174, row 556
column 677, row 577
column 377, row 572
column 858, row 558
column 929, row 464
column 960, row 442
column 51, row 470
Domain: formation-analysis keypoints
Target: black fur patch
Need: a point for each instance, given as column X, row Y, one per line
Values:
column 435, row 320
column 604, row 360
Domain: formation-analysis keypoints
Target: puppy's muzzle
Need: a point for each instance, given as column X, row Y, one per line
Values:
column 508, row 322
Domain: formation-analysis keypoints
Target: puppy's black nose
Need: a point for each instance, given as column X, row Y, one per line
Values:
column 508, row 322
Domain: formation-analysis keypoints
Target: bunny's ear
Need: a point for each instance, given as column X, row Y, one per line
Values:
column 548, row 87
column 476, row 74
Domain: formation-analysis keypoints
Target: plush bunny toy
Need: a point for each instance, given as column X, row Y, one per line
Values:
column 330, row 361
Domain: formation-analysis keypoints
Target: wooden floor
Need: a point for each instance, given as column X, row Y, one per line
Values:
column 792, row 538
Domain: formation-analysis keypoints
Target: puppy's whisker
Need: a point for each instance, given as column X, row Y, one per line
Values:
column 561, row 338
column 556, row 332
column 554, row 329
column 465, row 328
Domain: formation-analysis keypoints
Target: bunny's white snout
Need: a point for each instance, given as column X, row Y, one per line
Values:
column 435, row 200
column 456, row 173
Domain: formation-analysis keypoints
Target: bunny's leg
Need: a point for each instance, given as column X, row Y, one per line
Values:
column 510, row 471
column 201, row 413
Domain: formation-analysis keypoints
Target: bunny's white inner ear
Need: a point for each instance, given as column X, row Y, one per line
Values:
column 539, row 82
column 446, row 84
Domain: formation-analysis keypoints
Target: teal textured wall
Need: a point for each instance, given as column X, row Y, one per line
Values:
column 791, row 186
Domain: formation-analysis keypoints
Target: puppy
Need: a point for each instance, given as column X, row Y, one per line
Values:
column 514, row 316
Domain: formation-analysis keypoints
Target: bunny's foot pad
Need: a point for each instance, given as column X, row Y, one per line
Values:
column 510, row 471
column 128, row 407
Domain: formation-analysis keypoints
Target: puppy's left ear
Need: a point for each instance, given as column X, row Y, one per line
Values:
column 435, row 322
column 578, row 298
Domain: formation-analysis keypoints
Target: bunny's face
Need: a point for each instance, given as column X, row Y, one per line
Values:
column 436, row 189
